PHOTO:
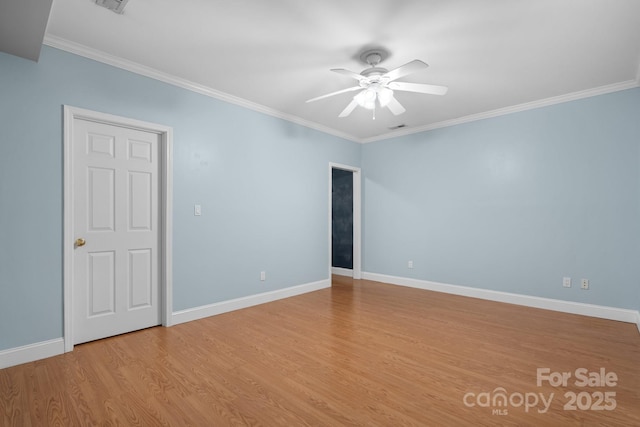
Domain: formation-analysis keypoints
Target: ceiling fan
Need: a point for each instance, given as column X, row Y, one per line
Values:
column 376, row 84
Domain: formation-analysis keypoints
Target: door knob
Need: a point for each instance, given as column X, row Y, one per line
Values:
column 80, row 242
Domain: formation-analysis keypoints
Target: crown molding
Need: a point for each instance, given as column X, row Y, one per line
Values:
column 134, row 67
column 602, row 90
column 96, row 55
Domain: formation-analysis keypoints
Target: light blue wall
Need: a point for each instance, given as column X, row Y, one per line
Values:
column 514, row 203
column 262, row 183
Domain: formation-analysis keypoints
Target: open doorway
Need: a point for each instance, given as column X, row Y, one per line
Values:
column 344, row 221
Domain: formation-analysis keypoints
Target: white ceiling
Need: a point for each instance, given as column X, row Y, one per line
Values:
column 495, row 56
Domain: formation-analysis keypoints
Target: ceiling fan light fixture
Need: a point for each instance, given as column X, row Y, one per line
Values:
column 384, row 96
column 367, row 98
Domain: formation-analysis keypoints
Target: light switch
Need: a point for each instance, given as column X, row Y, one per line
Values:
column 197, row 210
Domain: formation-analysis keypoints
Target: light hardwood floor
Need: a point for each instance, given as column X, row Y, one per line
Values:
column 359, row 353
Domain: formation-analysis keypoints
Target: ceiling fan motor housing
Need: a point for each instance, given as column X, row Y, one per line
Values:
column 373, row 57
column 374, row 71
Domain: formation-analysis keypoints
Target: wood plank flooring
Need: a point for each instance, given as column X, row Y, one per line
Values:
column 359, row 353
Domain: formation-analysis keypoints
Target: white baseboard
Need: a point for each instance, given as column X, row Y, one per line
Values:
column 339, row 271
column 31, row 352
column 44, row 349
column 603, row 312
column 201, row 312
column 54, row 347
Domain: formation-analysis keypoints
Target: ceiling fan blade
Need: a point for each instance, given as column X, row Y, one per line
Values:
column 403, row 70
column 352, row 105
column 418, row 87
column 395, row 107
column 351, row 89
column 351, row 74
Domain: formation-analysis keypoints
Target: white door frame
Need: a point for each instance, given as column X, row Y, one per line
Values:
column 357, row 216
column 165, row 206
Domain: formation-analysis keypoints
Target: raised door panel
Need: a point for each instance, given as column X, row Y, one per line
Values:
column 140, row 150
column 140, row 201
column 101, row 145
column 101, row 199
column 140, row 278
column 101, row 285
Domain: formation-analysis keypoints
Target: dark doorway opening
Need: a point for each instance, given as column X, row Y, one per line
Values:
column 342, row 219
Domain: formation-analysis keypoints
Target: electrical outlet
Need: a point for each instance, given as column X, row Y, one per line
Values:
column 566, row 282
column 410, row 264
column 263, row 275
column 197, row 210
column 584, row 283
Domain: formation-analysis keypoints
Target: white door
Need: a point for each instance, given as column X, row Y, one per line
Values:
column 115, row 224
